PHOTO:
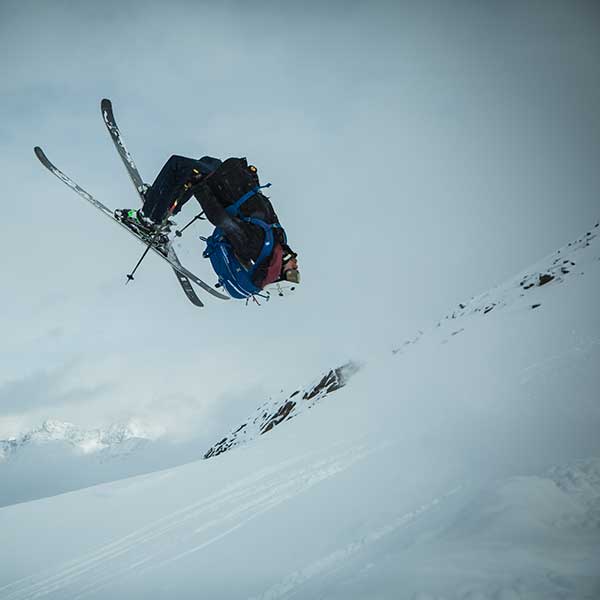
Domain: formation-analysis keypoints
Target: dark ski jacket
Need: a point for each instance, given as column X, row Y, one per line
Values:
column 224, row 187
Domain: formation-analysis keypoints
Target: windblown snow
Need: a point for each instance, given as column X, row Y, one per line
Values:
column 463, row 465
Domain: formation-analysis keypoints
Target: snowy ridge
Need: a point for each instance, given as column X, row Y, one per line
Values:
column 116, row 440
column 522, row 291
column 274, row 412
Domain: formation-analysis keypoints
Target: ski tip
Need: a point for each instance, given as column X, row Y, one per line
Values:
column 106, row 110
column 39, row 152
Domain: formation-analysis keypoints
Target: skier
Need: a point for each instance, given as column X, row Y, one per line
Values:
column 247, row 234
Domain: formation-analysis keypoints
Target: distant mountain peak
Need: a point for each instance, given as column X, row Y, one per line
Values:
column 110, row 439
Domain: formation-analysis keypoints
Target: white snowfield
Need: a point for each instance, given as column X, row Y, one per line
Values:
column 465, row 465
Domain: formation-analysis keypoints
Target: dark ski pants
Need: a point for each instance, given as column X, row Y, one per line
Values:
column 171, row 188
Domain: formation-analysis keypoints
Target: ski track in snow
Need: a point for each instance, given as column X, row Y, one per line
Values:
column 194, row 527
column 291, row 584
column 584, row 348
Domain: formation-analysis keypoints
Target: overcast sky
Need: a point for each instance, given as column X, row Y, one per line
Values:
column 420, row 153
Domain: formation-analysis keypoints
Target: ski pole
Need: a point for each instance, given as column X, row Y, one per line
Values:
column 158, row 233
column 150, row 244
column 130, row 275
column 179, row 232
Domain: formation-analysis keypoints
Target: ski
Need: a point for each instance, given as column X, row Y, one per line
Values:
column 169, row 256
column 115, row 134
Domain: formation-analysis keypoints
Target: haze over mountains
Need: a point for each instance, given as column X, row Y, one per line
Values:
column 463, row 465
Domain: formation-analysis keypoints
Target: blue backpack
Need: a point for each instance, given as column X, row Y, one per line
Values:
column 233, row 276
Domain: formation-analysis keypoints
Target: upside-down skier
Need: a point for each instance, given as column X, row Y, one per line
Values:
column 248, row 248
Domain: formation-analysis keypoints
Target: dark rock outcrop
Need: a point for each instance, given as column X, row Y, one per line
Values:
column 286, row 409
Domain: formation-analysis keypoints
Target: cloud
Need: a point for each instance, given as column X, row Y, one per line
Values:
column 419, row 154
column 45, row 389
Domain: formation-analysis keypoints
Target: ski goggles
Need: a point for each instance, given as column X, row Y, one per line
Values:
column 292, row 275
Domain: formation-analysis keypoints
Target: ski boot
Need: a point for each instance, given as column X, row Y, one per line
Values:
column 135, row 220
column 145, row 228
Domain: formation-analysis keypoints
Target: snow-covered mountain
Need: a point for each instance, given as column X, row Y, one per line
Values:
column 464, row 465
column 59, row 457
column 118, row 440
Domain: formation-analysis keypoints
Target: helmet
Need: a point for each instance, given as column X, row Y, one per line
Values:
column 291, row 275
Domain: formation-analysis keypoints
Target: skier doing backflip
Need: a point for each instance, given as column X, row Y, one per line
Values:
column 248, row 249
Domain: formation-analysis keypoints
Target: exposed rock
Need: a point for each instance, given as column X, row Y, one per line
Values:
column 545, row 278
column 285, row 409
column 281, row 415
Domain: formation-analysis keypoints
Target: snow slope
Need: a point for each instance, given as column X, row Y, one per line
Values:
column 59, row 457
column 464, row 465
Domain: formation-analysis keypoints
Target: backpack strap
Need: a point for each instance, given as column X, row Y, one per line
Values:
column 267, row 249
column 269, row 242
column 234, row 209
column 218, row 237
column 224, row 261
